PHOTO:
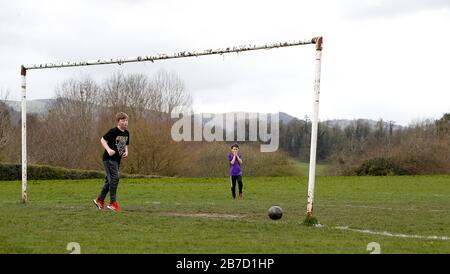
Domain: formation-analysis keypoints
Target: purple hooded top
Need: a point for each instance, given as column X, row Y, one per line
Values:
column 235, row 170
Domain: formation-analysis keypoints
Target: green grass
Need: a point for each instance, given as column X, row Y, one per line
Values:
column 303, row 168
column 159, row 216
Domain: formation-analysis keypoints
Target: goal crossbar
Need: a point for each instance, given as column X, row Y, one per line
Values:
column 184, row 54
column 163, row 56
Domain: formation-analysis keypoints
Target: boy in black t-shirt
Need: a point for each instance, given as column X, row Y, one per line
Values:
column 115, row 142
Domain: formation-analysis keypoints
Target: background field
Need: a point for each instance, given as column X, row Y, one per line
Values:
column 197, row 215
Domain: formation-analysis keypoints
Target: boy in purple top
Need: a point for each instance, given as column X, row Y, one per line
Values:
column 235, row 160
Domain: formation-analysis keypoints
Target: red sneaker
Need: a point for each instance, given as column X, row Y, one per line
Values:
column 114, row 207
column 99, row 204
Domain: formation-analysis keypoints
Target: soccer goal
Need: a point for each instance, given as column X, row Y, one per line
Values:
column 317, row 41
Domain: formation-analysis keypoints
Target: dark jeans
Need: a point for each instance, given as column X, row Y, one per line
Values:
column 233, row 180
column 111, row 180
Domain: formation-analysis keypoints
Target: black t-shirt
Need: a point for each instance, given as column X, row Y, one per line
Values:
column 117, row 140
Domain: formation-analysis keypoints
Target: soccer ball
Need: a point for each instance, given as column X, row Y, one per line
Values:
column 275, row 212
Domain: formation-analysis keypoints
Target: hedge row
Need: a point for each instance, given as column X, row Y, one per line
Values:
column 40, row 172
column 10, row 172
column 380, row 167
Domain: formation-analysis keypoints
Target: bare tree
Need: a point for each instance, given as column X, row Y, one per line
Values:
column 66, row 138
column 168, row 93
column 138, row 95
column 68, row 135
column 154, row 150
column 5, row 123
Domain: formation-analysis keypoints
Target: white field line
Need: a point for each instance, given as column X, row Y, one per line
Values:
column 388, row 234
column 383, row 208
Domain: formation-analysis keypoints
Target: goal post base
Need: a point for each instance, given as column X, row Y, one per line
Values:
column 310, row 220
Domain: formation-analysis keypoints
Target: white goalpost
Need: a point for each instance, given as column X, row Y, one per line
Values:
column 317, row 41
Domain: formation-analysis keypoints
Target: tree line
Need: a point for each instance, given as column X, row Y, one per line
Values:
column 68, row 135
column 423, row 147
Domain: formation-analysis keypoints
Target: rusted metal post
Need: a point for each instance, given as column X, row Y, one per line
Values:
column 163, row 56
column 314, row 125
column 23, row 73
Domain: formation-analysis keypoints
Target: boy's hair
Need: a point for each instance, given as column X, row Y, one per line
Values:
column 235, row 145
column 120, row 116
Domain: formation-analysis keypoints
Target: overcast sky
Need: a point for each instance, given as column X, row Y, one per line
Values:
column 381, row 59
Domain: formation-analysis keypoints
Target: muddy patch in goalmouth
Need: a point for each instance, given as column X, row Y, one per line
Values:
column 205, row 215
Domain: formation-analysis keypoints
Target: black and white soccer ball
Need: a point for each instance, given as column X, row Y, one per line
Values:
column 275, row 212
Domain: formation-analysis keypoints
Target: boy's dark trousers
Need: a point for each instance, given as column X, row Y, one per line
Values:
column 233, row 184
column 111, row 180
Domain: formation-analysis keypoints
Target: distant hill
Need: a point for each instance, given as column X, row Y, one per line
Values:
column 42, row 105
column 284, row 117
column 33, row 106
column 343, row 123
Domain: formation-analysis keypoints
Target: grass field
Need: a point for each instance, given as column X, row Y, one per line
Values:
column 303, row 168
column 197, row 215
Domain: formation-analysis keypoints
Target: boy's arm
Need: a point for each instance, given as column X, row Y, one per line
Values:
column 239, row 159
column 233, row 160
column 107, row 148
column 125, row 154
